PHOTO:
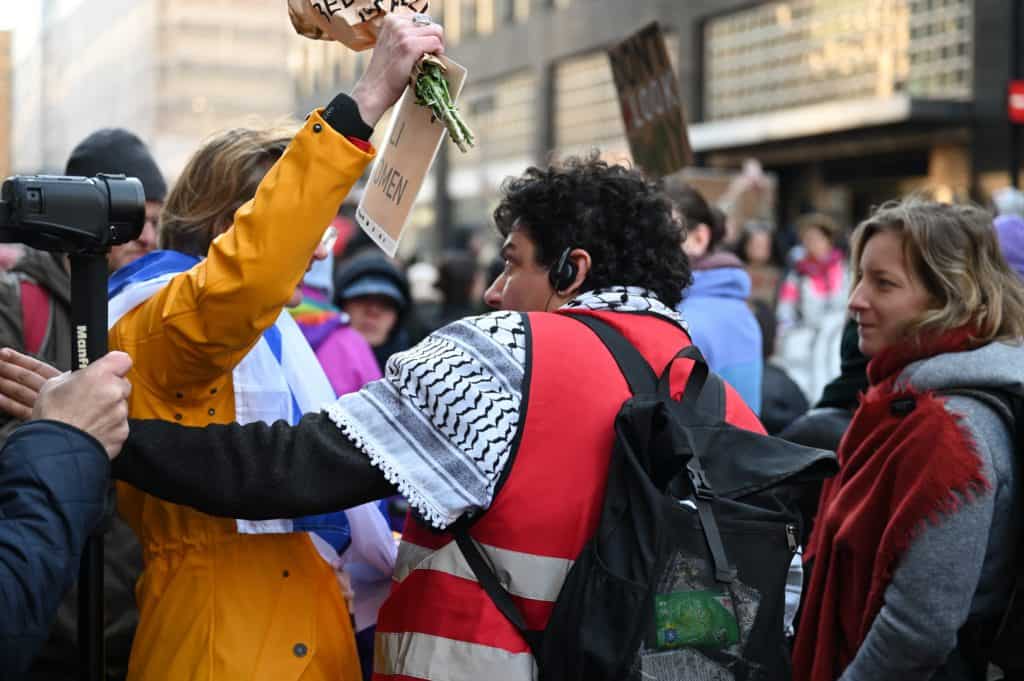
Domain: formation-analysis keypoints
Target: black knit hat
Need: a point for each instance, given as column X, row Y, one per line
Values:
column 115, row 150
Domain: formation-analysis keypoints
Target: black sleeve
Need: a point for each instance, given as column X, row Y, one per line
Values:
column 342, row 114
column 255, row 472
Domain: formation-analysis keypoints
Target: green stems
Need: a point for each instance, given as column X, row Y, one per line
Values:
column 432, row 91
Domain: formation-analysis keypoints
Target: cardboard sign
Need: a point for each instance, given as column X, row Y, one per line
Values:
column 652, row 109
column 352, row 22
column 411, row 143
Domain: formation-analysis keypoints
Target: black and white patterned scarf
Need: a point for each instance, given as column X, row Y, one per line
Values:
column 441, row 422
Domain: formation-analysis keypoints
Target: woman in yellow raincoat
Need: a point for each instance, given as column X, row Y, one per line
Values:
column 215, row 603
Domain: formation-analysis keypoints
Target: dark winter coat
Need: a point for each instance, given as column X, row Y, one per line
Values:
column 53, row 480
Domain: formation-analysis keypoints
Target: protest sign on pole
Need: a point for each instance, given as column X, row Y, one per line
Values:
column 413, row 137
column 652, row 109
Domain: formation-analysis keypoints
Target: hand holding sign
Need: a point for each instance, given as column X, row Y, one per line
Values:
column 361, row 24
column 413, row 138
column 401, row 45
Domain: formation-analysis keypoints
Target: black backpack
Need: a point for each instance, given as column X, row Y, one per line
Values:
column 685, row 577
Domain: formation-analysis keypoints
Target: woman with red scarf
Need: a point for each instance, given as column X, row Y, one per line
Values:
column 913, row 540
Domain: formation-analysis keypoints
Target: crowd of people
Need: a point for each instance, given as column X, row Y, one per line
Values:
column 305, row 440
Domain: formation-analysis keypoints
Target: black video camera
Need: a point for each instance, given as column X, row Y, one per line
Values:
column 71, row 214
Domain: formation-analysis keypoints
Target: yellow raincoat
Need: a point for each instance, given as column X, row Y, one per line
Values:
column 216, row 605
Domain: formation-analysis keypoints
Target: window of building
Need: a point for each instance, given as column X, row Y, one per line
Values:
column 799, row 52
column 502, row 115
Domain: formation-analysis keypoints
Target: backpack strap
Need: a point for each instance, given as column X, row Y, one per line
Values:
column 642, row 379
column 35, row 315
column 637, row 372
column 501, row 598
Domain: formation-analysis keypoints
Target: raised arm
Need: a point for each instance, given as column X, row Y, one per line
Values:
column 256, row 471
column 205, row 320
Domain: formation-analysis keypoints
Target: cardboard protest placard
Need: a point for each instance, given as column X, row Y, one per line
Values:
column 411, row 143
column 352, row 22
column 652, row 109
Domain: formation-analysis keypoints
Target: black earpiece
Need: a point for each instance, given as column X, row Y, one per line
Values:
column 563, row 274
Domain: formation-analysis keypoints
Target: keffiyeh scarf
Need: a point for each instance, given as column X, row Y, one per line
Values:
column 442, row 422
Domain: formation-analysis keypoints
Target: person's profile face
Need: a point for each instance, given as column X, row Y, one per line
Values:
column 758, row 247
column 889, row 295
column 523, row 285
column 816, row 242
column 125, row 254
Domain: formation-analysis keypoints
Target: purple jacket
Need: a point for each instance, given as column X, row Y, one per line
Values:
column 345, row 356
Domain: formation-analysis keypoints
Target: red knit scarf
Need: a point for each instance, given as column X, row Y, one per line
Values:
column 809, row 266
column 904, row 461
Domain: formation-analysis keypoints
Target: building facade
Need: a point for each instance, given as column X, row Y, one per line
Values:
column 172, row 71
column 845, row 102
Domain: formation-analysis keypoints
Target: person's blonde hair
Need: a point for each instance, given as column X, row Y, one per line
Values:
column 954, row 251
column 219, row 178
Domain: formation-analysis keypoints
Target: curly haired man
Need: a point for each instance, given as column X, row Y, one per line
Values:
column 510, row 413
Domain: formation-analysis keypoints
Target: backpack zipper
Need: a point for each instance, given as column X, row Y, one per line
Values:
column 791, row 537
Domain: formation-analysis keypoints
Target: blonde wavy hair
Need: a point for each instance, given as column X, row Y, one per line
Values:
column 219, row 178
column 954, row 251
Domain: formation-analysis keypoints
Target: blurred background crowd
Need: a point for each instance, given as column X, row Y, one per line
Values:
column 802, row 114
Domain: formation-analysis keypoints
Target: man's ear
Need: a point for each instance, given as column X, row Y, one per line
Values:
column 581, row 259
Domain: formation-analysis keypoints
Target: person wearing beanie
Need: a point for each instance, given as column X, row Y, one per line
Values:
column 715, row 305
column 116, row 150
column 374, row 293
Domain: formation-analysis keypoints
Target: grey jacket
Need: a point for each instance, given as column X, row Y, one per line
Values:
column 961, row 567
